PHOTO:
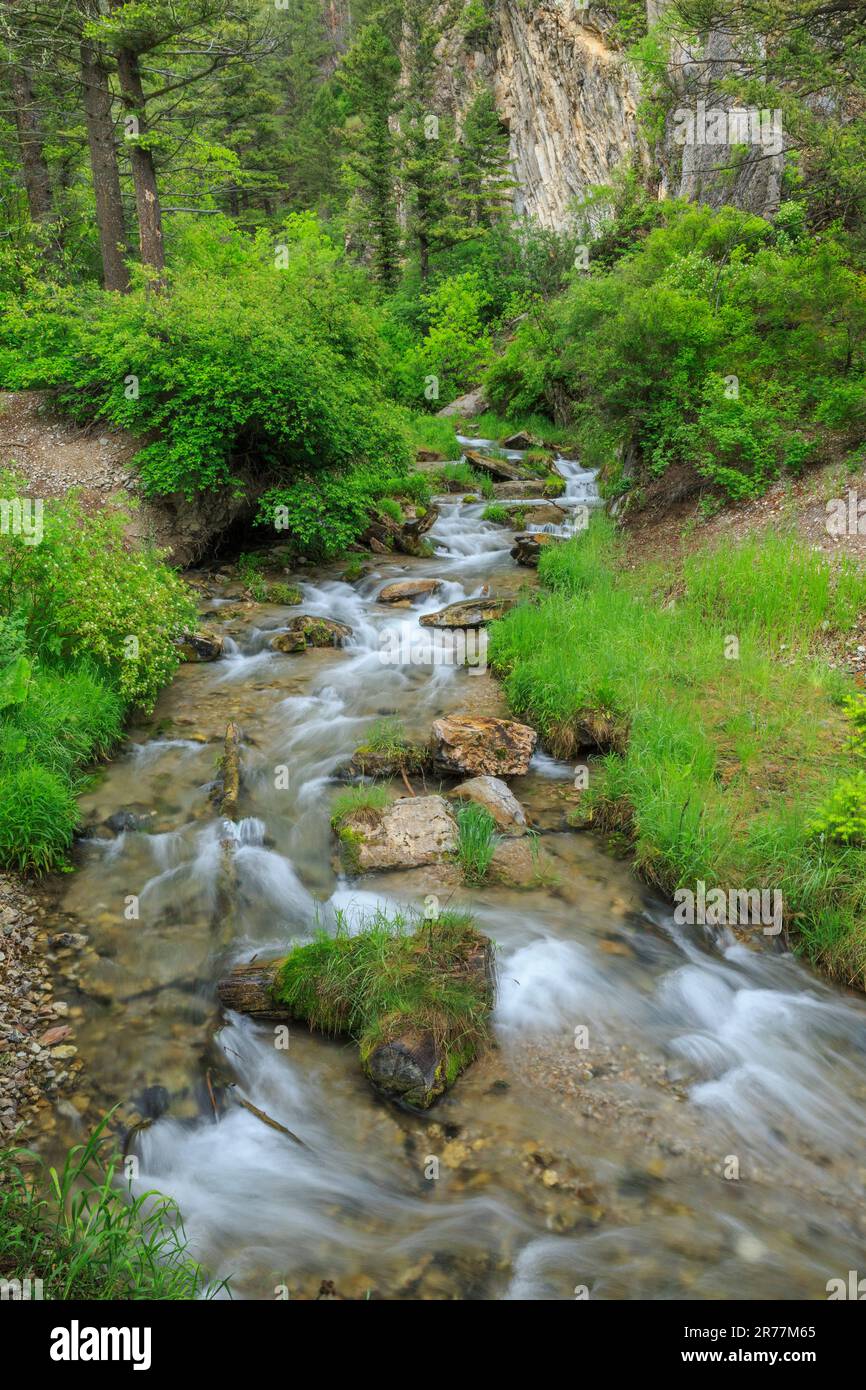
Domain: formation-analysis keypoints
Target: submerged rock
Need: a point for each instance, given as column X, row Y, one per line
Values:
column 497, row 798
column 200, row 646
column 408, row 589
column 472, row 613
column 412, row 831
column 464, row 744
column 306, row 631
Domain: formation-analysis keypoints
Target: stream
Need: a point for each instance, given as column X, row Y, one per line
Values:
column 705, row 1142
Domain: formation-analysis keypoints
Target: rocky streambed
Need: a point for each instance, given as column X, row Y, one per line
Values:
column 663, row 1113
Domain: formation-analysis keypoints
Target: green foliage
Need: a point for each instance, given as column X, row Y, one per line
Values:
column 83, row 592
column 38, row 816
column 323, row 513
column 87, row 629
column 83, row 1233
column 476, row 841
column 712, row 769
column 713, row 346
column 843, row 815
column 495, row 513
column 265, row 348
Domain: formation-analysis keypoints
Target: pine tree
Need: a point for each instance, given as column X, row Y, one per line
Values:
column 484, row 169
column 427, row 143
column 370, row 73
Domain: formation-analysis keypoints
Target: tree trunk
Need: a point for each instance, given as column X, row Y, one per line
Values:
column 37, row 181
column 147, row 203
column 103, row 163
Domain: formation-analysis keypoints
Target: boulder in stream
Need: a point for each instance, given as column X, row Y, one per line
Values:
column 408, row 589
column 472, row 613
column 468, row 745
column 497, row 798
column 410, row 1053
column 503, row 470
column 307, row 631
column 521, row 440
column 200, row 646
column 411, row 831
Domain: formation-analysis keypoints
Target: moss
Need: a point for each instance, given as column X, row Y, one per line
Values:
column 397, row 977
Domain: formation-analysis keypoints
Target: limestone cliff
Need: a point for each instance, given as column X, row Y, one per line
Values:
column 564, row 91
column 568, row 98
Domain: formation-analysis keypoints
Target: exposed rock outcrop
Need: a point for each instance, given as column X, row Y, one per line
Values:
column 412, row 831
column 500, row 747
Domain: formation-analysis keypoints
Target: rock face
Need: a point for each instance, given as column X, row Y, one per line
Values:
column 307, row 631
column 496, row 797
column 499, row 747
column 720, row 152
column 473, row 613
column 566, row 96
column 408, row 589
column 528, row 547
column 200, row 646
column 410, row 832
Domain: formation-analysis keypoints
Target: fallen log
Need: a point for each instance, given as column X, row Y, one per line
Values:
column 231, row 773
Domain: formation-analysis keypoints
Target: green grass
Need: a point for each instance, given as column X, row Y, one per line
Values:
column 716, row 768
column 495, row 513
column 80, row 1230
column 396, row 974
column 351, row 800
column 66, row 718
column 465, row 476
column 438, row 435
column 476, row 841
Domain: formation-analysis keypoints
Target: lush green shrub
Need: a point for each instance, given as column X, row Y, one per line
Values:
column 84, row 592
column 715, row 346
column 265, row 348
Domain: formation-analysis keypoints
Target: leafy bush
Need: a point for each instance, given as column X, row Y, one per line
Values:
column 83, row 592
column 265, row 348
column 714, row 346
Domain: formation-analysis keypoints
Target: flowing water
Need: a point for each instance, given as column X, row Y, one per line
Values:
column 667, row 1113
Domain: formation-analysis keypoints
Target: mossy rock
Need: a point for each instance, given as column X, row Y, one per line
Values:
column 418, row 1004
